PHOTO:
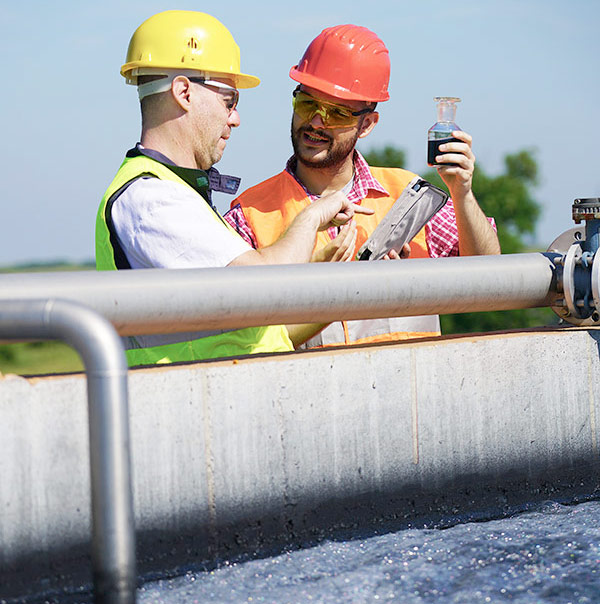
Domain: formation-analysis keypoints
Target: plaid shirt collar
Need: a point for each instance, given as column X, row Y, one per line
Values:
column 361, row 183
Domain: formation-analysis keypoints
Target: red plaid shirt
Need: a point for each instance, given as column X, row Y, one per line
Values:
column 441, row 232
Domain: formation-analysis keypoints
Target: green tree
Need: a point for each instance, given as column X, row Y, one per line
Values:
column 508, row 198
column 388, row 157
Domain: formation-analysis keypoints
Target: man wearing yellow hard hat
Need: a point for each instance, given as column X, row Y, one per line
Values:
column 157, row 212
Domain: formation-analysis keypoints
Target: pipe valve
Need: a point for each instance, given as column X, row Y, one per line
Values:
column 579, row 265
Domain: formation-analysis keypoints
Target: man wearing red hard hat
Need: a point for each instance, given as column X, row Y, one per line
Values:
column 342, row 76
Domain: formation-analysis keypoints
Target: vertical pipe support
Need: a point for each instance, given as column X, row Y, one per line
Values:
column 592, row 235
column 95, row 339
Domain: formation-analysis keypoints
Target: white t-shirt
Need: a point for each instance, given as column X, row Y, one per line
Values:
column 165, row 224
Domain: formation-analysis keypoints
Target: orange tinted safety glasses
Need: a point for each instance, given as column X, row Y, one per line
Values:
column 333, row 116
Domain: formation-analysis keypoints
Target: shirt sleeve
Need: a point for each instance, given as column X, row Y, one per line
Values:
column 441, row 232
column 164, row 224
column 236, row 218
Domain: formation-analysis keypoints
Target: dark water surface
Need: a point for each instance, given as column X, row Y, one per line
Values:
column 548, row 554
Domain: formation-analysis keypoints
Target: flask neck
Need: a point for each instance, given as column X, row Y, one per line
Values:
column 446, row 112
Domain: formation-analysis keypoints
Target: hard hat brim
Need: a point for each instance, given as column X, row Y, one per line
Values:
column 328, row 88
column 240, row 80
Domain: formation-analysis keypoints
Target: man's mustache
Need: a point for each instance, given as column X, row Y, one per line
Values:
column 311, row 130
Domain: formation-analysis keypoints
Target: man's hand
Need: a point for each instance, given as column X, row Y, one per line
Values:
column 475, row 234
column 298, row 242
column 340, row 249
column 335, row 210
column 394, row 255
column 458, row 178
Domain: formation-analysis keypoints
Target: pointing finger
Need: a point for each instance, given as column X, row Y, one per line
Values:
column 362, row 210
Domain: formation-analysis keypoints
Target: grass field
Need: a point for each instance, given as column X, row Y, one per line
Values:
column 55, row 266
column 38, row 358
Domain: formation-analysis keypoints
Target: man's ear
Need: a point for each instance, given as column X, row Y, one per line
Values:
column 368, row 124
column 181, row 92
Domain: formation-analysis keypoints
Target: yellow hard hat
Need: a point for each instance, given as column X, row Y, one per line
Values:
column 186, row 40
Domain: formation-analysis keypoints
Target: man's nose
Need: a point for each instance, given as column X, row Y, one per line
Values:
column 234, row 119
column 317, row 121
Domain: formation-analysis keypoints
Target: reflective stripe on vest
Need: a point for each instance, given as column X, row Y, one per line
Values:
column 270, row 207
column 171, row 348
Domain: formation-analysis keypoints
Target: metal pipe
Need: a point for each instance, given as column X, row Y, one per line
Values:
column 94, row 338
column 164, row 301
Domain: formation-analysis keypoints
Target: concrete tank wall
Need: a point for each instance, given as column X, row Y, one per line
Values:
column 233, row 455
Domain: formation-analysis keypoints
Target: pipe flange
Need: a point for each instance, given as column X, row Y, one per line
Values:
column 568, row 244
column 596, row 288
column 564, row 241
column 573, row 254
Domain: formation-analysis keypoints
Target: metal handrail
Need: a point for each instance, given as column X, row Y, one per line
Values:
column 164, row 301
column 95, row 339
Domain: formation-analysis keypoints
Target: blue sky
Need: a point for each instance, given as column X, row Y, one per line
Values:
column 527, row 72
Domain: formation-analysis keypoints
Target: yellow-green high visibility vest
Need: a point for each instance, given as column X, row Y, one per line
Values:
column 251, row 340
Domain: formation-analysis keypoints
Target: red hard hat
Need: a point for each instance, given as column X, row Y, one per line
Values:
column 348, row 62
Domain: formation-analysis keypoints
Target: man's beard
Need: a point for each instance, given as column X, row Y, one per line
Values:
column 336, row 152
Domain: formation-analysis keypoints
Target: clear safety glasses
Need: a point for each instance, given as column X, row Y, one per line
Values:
column 230, row 95
column 333, row 116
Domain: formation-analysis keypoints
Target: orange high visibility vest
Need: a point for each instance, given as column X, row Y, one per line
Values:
column 272, row 205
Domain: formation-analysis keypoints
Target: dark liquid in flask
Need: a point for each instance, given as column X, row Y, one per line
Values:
column 433, row 149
